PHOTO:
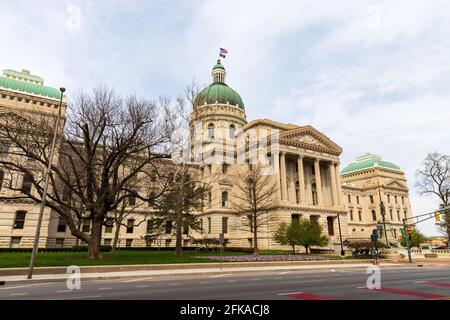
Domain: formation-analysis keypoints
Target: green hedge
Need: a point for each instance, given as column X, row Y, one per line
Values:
column 72, row 249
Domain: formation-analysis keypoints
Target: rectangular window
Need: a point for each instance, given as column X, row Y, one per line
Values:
column 15, row 242
column 398, row 215
column 359, row 215
column 109, row 225
column 107, row 242
column 357, row 199
column 132, row 201
column 185, row 228
column 168, row 241
column 129, row 243
column 26, row 184
column 396, row 200
column 371, row 199
column 209, row 225
column 19, row 221
column 391, row 214
column 403, row 200
column 351, row 215
column 224, row 168
column 86, row 226
column 395, row 233
column 295, row 217
column 4, row 149
column 404, row 213
column 224, row 224
column 149, row 226
column 130, row 225
column 61, row 225
column 349, row 199
column 59, row 243
column 2, row 175
column 374, row 215
column 330, row 224
column 168, row 227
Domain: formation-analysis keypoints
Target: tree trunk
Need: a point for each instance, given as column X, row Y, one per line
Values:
column 116, row 238
column 94, row 245
column 255, row 237
column 307, row 249
column 179, row 236
column 293, row 249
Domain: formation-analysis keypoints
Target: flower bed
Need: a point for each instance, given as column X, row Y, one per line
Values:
column 252, row 258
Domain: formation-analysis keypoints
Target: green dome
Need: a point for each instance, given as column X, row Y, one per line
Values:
column 218, row 93
column 368, row 161
column 29, row 88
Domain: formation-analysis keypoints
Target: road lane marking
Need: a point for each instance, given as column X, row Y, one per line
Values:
column 74, row 298
column 221, row 275
column 440, row 284
column 173, row 284
column 27, row 285
column 279, row 278
column 18, row 294
column 137, row 280
column 306, row 296
column 285, row 272
column 409, row 293
column 105, row 288
column 64, row 291
column 142, row 286
column 205, row 282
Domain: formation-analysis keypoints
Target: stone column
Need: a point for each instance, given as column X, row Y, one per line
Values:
column 318, row 182
column 283, row 176
column 278, row 177
column 334, row 193
column 339, row 184
column 301, row 179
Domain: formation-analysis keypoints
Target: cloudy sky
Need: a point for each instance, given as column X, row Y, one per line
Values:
column 374, row 76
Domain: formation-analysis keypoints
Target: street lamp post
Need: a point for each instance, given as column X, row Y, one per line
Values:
column 340, row 236
column 383, row 216
column 44, row 193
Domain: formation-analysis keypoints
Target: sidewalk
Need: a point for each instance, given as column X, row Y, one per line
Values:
column 214, row 270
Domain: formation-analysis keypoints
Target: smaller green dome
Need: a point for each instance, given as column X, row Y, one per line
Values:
column 218, row 66
column 218, row 93
column 368, row 161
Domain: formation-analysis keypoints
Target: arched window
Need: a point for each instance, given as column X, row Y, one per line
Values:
column 232, row 131
column 211, row 131
column 374, row 215
column 314, row 194
column 224, row 199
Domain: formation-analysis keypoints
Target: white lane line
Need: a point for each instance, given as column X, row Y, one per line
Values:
column 285, row 272
column 420, row 281
column 221, row 275
column 289, row 293
column 301, row 282
column 205, row 282
column 27, row 285
column 18, row 294
column 137, row 280
column 142, row 286
column 64, row 291
column 173, row 284
column 279, row 278
column 74, row 298
column 105, row 288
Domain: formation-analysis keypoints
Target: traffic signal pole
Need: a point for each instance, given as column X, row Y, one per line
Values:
column 405, row 234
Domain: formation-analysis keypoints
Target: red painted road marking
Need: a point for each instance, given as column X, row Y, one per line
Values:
column 441, row 284
column 306, row 296
column 410, row 293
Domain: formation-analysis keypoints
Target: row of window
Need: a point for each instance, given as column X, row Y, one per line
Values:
column 27, row 182
column 374, row 215
column 231, row 131
column 372, row 201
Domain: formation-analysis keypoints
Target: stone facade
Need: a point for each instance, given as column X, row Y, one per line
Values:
column 306, row 169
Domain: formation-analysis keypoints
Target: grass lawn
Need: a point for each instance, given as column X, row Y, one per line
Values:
column 48, row 259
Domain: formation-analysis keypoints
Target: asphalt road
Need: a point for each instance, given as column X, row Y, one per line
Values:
column 405, row 283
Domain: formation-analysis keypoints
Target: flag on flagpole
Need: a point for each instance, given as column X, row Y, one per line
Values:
column 223, row 51
column 222, row 55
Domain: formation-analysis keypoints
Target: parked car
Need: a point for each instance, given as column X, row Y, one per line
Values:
column 441, row 248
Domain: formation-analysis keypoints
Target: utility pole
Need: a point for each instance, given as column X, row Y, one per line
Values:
column 405, row 234
column 383, row 215
column 44, row 193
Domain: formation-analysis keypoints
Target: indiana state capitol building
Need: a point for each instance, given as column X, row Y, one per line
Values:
column 302, row 162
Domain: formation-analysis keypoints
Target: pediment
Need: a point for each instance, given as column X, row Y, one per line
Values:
column 309, row 137
column 395, row 185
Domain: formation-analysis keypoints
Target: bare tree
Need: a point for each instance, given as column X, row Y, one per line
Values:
column 434, row 179
column 106, row 142
column 254, row 200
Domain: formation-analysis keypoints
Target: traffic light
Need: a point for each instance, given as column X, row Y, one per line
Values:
column 437, row 216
